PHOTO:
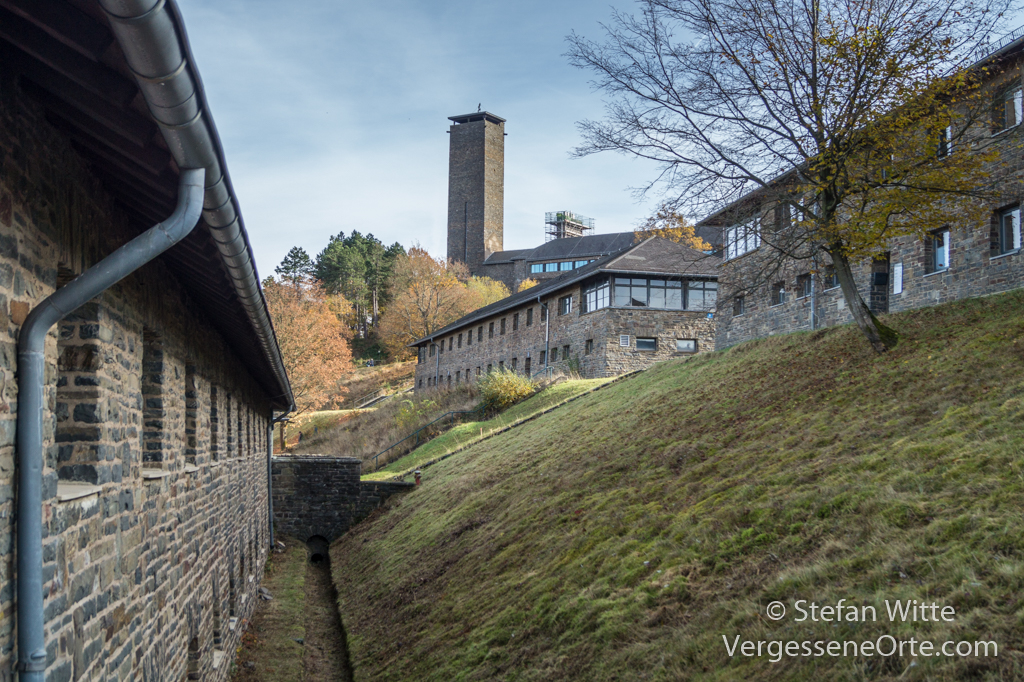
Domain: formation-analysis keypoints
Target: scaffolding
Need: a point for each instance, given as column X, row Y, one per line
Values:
column 562, row 224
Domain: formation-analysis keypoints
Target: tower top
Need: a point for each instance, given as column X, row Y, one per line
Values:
column 477, row 116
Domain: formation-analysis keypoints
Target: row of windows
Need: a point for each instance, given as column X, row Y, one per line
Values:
column 454, row 342
column 559, row 266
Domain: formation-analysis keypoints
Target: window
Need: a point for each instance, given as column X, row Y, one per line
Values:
column 543, row 357
column 502, row 332
column 501, row 365
column 944, row 143
column 515, row 321
column 778, row 293
column 490, row 368
column 554, row 354
column 469, row 338
column 480, row 333
column 595, row 296
column 588, row 347
column 936, row 251
column 1009, row 230
column 449, row 380
column 623, row 340
column 565, row 265
column 646, row 343
column 1006, row 110
column 686, row 345
column 536, row 267
column 544, row 313
column 738, row 306
column 803, row 285
column 581, row 263
column 515, row 362
column 440, row 347
column 490, row 330
column 639, row 292
column 433, row 348
column 829, row 279
column 420, row 355
column 526, row 366
column 551, row 267
column 460, row 340
column 458, row 375
column 478, row 371
column 699, row 295
column 565, row 352
column 421, row 383
column 783, row 216
column 897, row 278
column 741, row 239
column 451, row 343
column 565, row 305
column 529, row 316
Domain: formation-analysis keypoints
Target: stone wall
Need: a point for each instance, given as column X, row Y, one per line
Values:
column 155, row 475
column 521, row 341
column 317, row 495
column 476, row 191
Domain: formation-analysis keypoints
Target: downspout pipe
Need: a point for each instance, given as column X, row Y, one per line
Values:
column 31, row 382
column 547, row 334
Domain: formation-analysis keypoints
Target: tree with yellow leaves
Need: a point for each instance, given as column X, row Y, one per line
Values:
column 668, row 224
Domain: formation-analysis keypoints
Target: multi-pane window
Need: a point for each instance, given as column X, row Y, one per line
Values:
column 778, row 293
column 829, row 278
column 565, row 305
column 529, row 316
column 701, row 295
column 1006, row 112
column 595, row 296
column 936, row 251
column 565, row 265
column 686, row 345
column 551, row 267
column 647, row 343
column 1009, row 230
column 536, row 267
column 803, row 285
column 783, row 216
column 741, row 239
column 638, row 292
column 739, row 306
column 581, row 263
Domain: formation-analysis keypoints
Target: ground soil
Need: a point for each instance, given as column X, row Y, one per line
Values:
column 326, row 650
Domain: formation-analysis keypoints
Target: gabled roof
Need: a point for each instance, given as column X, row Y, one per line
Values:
column 120, row 81
column 654, row 256
column 571, row 248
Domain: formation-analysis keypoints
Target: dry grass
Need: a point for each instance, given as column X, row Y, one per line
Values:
column 620, row 537
column 366, row 380
column 377, row 428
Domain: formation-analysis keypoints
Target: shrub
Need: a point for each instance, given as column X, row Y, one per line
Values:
column 504, row 388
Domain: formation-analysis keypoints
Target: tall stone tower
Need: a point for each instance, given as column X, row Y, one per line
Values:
column 476, row 187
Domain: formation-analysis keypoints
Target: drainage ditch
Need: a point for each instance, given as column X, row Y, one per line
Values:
column 326, row 648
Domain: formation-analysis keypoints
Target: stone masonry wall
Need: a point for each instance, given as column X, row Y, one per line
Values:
column 476, row 190
column 521, row 341
column 155, row 477
column 322, row 496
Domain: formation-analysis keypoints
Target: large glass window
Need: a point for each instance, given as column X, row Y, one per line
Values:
column 537, row 267
column 551, row 267
column 595, row 296
column 1009, row 230
column 665, row 294
column 700, row 295
column 565, row 265
column 581, row 263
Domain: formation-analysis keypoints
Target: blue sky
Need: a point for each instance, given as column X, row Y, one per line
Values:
column 333, row 115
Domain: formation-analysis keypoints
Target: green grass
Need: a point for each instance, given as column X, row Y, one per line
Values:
column 622, row 536
column 270, row 640
column 470, row 432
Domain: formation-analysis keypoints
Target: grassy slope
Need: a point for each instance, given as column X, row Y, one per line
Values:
column 622, row 536
column 470, row 432
column 270, row 640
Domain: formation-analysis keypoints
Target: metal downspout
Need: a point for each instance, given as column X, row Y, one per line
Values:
column 547, row 334
column 31, row 381
column 437, row 361
column 814, row 293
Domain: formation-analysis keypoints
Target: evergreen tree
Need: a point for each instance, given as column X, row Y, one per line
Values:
column 296, row 266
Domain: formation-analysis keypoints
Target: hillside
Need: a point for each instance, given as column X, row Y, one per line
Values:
column 623, row 535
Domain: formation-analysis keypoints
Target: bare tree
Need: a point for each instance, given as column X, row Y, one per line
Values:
column 834, row 111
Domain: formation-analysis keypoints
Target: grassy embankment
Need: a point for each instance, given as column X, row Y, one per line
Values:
column 468, row 433
column 269, row 652
column 623, row 535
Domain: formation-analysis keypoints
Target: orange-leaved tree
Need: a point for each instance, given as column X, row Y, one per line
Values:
column 428, row 294
column 668, row 224
column 313, row 340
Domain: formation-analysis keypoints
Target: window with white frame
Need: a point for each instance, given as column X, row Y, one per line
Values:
column 596, row 295
column 778, row 292
column 565, row 305
column 1009, row 230
column 741, row 239
column 944, row 144
column 936, row 251
column 1006, row 111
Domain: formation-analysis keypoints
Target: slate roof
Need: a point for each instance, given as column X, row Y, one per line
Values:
column 654, row 256
column 590, row 246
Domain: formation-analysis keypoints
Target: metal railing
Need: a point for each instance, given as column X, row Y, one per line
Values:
column 450, row 416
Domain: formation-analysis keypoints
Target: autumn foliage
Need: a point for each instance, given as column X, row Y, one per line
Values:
column 430, row 293
column 669, row 225
column 313, row 340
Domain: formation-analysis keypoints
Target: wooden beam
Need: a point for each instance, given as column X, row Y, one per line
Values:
column 150, row 158
column 94, row 77
column 65, row 23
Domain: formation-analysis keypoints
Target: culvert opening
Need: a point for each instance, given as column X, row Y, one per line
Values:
column 325, row 643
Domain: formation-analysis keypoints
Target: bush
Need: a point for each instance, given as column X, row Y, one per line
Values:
column 502, row 389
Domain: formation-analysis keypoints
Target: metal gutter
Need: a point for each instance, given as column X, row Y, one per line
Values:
column 152, row 36
column 31, row 403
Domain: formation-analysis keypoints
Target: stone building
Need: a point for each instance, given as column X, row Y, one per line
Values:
column 149, row 520
column 651, row 301
column 980, row 256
